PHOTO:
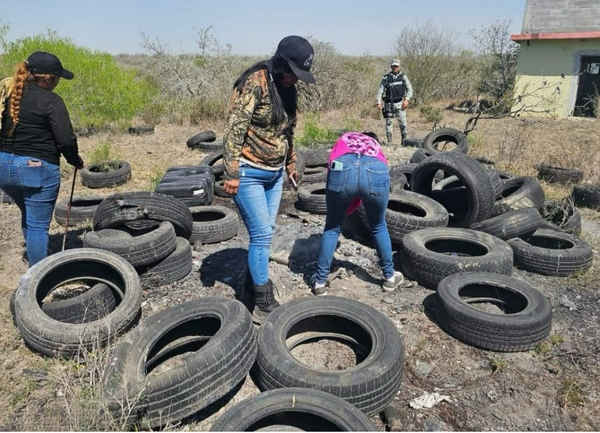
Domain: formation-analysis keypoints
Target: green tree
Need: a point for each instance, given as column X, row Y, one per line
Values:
column 101, row 95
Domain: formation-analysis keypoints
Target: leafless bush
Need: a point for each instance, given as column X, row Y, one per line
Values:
column 498, row 60
column 341, row 80
column 435, row 65
column 194, row 86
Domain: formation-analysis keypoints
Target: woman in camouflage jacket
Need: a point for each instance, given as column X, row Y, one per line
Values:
column 258, row 146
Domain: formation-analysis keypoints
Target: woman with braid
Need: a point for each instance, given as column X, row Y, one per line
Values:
column 35, row 131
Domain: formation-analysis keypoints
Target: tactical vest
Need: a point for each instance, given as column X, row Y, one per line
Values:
column 395, row 88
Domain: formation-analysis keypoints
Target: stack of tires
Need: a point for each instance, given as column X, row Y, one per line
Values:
column 149, row 230
column 193, row 185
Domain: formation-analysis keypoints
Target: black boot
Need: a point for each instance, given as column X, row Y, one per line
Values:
column 265, row 301
column 389, row 139
column 403, row 139
column 246, row 296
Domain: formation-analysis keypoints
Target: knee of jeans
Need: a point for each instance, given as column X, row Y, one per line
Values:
column 262, row 237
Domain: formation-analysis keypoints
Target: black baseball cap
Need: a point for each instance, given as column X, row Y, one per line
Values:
column 42, row 62
column 299, row 54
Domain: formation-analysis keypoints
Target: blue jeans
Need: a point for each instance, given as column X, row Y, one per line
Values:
column 368, row 178
column 33, row 184
column 258, row 200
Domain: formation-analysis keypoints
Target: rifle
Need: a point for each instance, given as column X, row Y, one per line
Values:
column 388, row 106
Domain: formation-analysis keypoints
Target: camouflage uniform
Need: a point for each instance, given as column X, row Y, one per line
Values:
column 251, row 137
column 397, row 110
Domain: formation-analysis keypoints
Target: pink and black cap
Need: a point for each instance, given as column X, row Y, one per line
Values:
column 42, row 62
column 299, row 54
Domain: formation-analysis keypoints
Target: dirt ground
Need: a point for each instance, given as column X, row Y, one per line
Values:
column 554, row 387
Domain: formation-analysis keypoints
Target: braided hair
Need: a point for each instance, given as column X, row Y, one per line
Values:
column 21, row 76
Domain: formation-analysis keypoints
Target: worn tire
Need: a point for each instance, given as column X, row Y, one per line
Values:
column 141, row 130
column 220, row 189
column 477, row 183
column 413, row 142
column 293, row 409
column 214, row 160
column 408, row 212
column 82, row 210
column 526, row 321
column 562, row 215
column 220, row 340
column 407, row 170
column 549, row 252
column 201, row 137
column 428, row 256
column 316, row 157
column 213, row 224
column 419, row 155
column 434, row 139
column 398, row 179
column 519, row 193
column 511, row 224
column 174, row 267
column 138, row 247
column 136, row 206
column 556, row 174
column 370, row 386
column 314, row 175
column 94, row 176
column 92, row 305
column 312, row 198
column 214, row 146
column 54, row 338
column 587, row 196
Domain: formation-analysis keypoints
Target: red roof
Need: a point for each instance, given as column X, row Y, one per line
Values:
column 571, row 35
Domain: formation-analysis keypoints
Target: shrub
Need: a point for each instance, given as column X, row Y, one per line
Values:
column 432, row 114
column 102, row 94
column 314, row 135
column 100, row 153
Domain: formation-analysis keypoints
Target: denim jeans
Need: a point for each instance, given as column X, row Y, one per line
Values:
column 33, row 184
column 368, row 178
column 258, row 200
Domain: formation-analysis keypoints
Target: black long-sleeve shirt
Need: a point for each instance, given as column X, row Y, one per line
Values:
column 44, row 130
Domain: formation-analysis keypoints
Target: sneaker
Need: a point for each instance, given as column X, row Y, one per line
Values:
column 390, row 284
column 318, row 289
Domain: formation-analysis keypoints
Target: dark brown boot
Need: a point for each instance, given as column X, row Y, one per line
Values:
column 265, row 301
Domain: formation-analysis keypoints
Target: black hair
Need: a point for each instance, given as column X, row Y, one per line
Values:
column 371, row 134
column 283, row 99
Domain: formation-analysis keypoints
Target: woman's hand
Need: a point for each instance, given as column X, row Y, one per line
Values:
column 231, row 186
column 80, row 164
column 293, row 178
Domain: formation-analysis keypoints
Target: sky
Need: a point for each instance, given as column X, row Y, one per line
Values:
column 251, row 27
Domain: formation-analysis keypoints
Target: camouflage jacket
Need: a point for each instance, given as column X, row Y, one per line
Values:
column 250, row 135
column 6, row 87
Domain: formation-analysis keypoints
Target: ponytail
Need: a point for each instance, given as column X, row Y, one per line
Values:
column 21, row 76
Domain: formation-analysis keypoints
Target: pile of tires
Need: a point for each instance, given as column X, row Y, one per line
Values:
column 193, row 185
column 151, row 231
column 105, row 174
column 84, row 322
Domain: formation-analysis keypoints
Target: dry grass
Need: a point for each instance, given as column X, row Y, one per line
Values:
column 516, row 145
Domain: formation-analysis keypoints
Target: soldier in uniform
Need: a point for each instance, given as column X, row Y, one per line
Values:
column 392, row 98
